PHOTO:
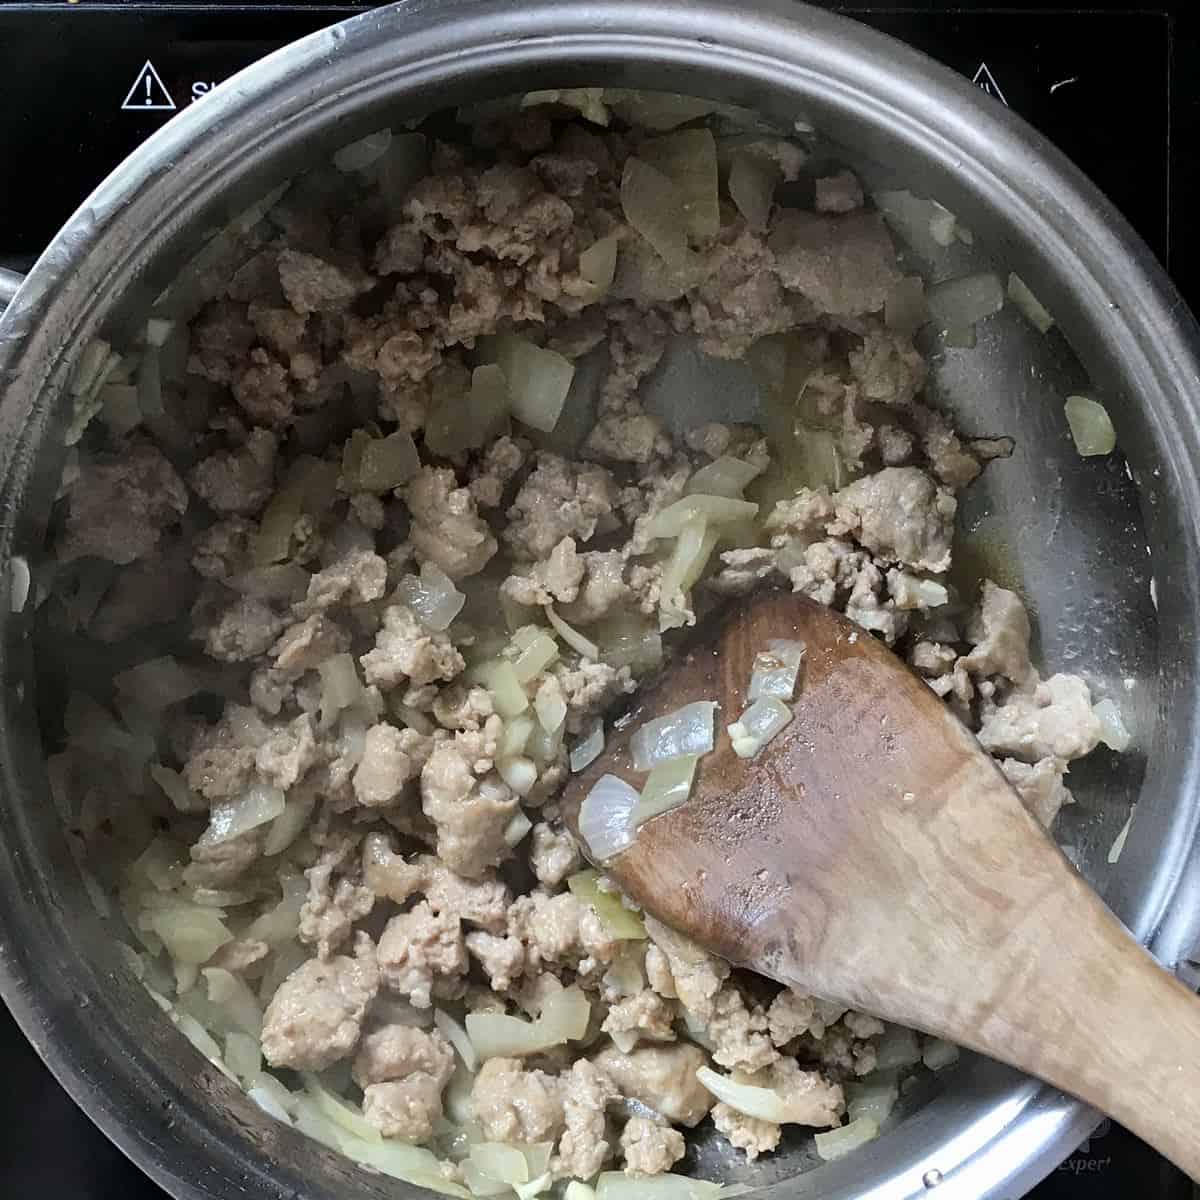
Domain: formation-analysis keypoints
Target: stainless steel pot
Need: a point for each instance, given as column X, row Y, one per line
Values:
column 1111, row 558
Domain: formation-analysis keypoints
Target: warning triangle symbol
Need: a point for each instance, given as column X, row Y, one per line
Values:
column 149, row 93
column 983, row 78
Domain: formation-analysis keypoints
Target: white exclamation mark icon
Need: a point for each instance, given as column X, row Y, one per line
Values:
column 148, row 93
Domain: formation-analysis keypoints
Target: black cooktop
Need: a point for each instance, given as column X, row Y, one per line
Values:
column 83, row 83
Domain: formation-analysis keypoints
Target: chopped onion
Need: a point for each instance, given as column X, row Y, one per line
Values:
column 456, row 1035
column 158, row 683
column 176, row 790
column 896, row 1049
column 1091, row 427
column 500, row 1162
column 198, row 1036
column 588, row 102
column 498, row 676
column 619, row 922
column 873, row 1097
column 688, row 159
column 287, row 827
column 958, row 304
column 657, row 209
column 273, row 540
column 405, row 161
column 482, row 1184
column 340, row 686
column 432, row 596
column 519, row 824
column 1030, row 306
column 460, row 421
column 120, row 408
column 161, row 863
column 765, row 1104
column 630, row 643
column 713, row 509
column 544, row 747
column 905, row 310
column 516, row 735
column 589, row 747
column 235, row 998
column 190, row 934
column 598, row 266
column 581, row 645
column 230, row 819
column 344, row 1115
column 535, row 1187
column 758, row 725
column 687, row 730
column 1115, row 850
column 364, row 152
column 724, row 476
column 834, row 1143
column 388, row 462
column 537, row 379
column 616, row 1185
column 668, row 785
column 549, row 704
column 690, row 555
column 537, row 651
column 605, row 817
column 941, row 225
column 1113, row 731
column 564, row 1019
column 268, row 1102
column 646, row 109
column 775, row 670
column 752, row 182
column 520, row 773
column 283, row 921
column 939, row 1054
column 575, row 1190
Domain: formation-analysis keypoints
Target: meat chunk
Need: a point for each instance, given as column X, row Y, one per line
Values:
column 312, row 284
column 503, row 959
column 316, row 1015
column 696, row 976
column 839, row 193
column 387, row 764
column 408, row 1109
column 446, row 526
column 221, row 758
column 999, row 629
column 553, row 854
column 750, row 1134
column 603, row 587
column 662, row 1076
column 1042, row 719
column 901, row 515
column 358, row 578
column 561, row 930
column 406, row 651
column 238, row 482
column 644, row 1016
column 1040, row 786
column 843, row 265
column 150, row 591
column 557, row 579
column 331, row 909
column 582, row 1148
column 470, row 813
column 400, row 1051
column 223, row 549
column 119, row 506
column 420, row 949
column 245, row 630
column 512, row 1104
column 559, row 499
column 308, row 643
column 650, row 1148
column 287, row 753
column 738, row 1032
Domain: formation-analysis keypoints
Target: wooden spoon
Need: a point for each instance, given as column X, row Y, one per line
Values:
column 873, row 854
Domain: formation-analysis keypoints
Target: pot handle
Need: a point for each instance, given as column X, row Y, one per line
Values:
column 9, row 282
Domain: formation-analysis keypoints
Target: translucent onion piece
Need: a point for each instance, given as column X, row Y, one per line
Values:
column 668, row 785
column 1091, row 427
column 775, row 670
column 752, row 181
column 836, row 1143
column 338, row 1111
column 198, row 1036
column 896, row 1049
column 576, row 1190
column 589, row 747
column 655, row 207
column 942, row 224
column 690, row 555
column 518, row 825
column 481, row 1183
column 498, row 676
column 535, row 1187
column 456, row 1035
column 605, row 817
column 1030, row 306
column 905, row 310
column 687, row 730
column 620, row 922
column 191, row 935
column 273, row 541
column 340, row 686
column 256, row 806
column 501, row 1162
column 537, row 379
column 432, row 596
column 120, row 408
column 763, row 1103
column 656, row 110
column 461, row 421
column 1118, row 846
column 581, row 645
column 269, row 1103
column 758, row 725
column 873, row 1097
column 689, row 160
column 939, row 1054
column 364, row 152
column 1113, row 731
column 723, row 476
column 550, row 706
column 158, row 683
column 537, row 653
column 288, row 826
column 615, row 1185
column 598, row 266
column 235, row 998
column 516, row 735
column 544, row 747
column 588, row 102
column 564, row 1019
column 629, row 642
column 520, row 773
column 960, row 303
column 713, row 509
column 405, row 161
column 388, row 462
column 283, row 921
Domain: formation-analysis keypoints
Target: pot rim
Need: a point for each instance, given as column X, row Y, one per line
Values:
column 1019, row 1130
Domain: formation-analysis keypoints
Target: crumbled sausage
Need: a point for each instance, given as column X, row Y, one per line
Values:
column 238, row 481
column 650, row 1148
column 558, row 500
column 662, row 1076
column 1042, row 719
column 512, row 1104
column 406, row 651
column 419, row 949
